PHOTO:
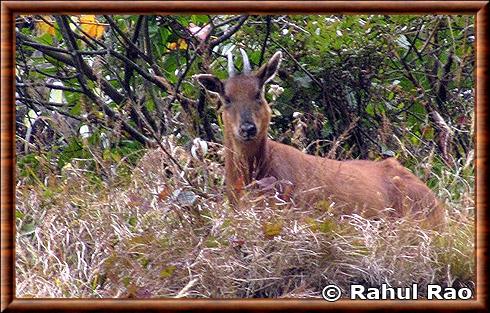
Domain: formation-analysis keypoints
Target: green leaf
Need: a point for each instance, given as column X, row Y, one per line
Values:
column 126, row 280
column 211, row 242
column 254, row 56
column 19, row 214
column 74, row 149
column 46, row 39
column 132, row 221
column 150, row 105
column 303, row 80
column 144, row 261
column 28, row 229
column 428, row 133
column 326, row 129
column 199, row 19
column 164, row 34
column 415, row 140
column 327, row 226
column 77, row 108
column 184, row 20
column 170, row 65
column 370, row 109
column 167, row 271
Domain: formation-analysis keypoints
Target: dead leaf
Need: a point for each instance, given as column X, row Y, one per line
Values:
column 44, row 27
column 239, row 183
column 164, row 194
column 89, row 25
column 267, row 183
column 185, row 198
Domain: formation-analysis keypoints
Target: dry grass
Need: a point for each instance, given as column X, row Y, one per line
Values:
column 154, row 235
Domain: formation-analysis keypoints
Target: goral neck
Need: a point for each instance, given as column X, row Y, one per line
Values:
column 251, row 158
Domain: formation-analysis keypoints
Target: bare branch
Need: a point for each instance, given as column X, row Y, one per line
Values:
column 229, row 32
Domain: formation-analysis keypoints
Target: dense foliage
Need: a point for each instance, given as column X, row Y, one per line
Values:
column 364, row 86
column 95, row 93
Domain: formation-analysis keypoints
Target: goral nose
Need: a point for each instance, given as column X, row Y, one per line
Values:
column 248, row 130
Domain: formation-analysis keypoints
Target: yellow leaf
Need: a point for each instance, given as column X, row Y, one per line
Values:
column 57, row 281
column 132, row 289
column 182, row 44
column 44, row 27
column 312, row 223
column 95, row 281
column 211, row 242
column 327, row 226
column 324, row 205
column 172, row 45
column 116, row 156
column 167, row 272
column 106, row 154
column 89, row 25
column 87, row 19
column 272, row 229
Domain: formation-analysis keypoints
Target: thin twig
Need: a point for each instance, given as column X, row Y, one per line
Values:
column 229, row 32
column 80, row 64
column 313, row 78
column 266, row 38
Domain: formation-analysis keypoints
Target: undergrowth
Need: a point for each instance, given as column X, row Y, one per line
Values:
column 168, row 231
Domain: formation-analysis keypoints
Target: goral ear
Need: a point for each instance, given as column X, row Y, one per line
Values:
column 269, row 70
column 211, row 83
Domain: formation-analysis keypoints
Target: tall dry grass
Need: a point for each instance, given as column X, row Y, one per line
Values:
column 168, row 231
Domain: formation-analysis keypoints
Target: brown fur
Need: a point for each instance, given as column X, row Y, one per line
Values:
column 356, row 186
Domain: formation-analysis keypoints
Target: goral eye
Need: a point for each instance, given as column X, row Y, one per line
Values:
column 258, row 96
column 227, row 100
